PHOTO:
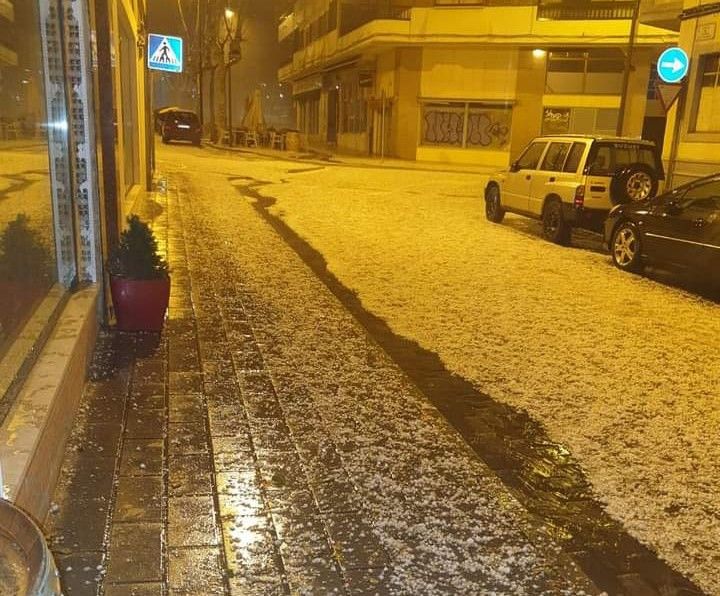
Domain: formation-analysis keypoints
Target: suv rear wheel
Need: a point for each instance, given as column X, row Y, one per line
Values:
column 634, row 183
column 493, row 209
column 555, row 228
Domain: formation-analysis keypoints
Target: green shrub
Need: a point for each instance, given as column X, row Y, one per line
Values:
column 137, row 256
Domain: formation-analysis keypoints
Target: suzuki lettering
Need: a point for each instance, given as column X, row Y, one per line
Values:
column 673, row 65
column 165, row 53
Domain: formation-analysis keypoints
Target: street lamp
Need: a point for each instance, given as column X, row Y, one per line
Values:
column 232, row 57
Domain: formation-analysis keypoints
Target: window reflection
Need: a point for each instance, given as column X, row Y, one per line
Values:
column 27, row 252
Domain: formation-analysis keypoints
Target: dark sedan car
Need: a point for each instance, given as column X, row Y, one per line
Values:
column 680, row 228
column 181, row 125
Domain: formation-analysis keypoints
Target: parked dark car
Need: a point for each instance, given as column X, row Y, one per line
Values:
column 159, row 116
column 680, row 228
column 181, row 125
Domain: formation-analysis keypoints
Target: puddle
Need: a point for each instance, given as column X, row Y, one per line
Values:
column 541, row 474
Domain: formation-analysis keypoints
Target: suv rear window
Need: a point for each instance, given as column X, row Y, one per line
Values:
column 607, row 157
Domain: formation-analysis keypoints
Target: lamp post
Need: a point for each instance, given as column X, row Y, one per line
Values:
column 231, row 57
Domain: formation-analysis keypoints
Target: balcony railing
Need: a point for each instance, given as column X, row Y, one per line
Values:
column 579, row 11
column 356, row 14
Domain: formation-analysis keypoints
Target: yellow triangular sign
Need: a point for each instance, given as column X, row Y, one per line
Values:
column 668, row 94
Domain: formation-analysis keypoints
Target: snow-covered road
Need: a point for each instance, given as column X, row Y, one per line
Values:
column 620, row 369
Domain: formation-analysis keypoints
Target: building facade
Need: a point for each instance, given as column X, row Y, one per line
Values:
column 692, row 143
column 467, row 82
column 69, row 164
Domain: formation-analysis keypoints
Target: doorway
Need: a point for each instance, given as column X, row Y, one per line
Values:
column 654, row 130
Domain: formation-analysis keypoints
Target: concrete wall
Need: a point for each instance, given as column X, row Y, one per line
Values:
column 527, row 111
column 405, row 120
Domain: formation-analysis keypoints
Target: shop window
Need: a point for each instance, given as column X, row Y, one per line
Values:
column 594, row 72
column 565, row 120
column 37, row 246
column 308, row 108
column 466, row 124
column 707, row 96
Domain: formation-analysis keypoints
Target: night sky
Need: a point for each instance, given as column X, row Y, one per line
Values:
column 261, row 58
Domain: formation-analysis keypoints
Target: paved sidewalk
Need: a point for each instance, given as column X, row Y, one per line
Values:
column 265, row 445
column 360, row 161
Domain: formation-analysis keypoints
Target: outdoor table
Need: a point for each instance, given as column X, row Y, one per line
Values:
column 238, row 136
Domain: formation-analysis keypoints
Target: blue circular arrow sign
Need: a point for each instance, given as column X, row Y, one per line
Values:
column 673, row 65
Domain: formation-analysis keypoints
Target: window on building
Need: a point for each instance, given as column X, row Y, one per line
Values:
column 308, row 111
column 564, row 120
column 594, row 72
column 707, row 96
column 472, row 125
column 353, row 107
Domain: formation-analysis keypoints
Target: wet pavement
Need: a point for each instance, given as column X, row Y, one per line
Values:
column 540, row 473
column 196, row 467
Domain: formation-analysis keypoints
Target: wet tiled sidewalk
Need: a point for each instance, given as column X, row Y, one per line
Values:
column 181, row 476
column 186, row 474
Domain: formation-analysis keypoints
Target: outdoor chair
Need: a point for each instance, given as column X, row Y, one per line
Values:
column 277, row 141
column 251, row 139
column 12, row 131
column 239, row 136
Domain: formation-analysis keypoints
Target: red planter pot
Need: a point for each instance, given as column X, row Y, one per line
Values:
column 140, row 304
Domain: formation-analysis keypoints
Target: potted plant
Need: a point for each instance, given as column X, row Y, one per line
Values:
column 139, row 279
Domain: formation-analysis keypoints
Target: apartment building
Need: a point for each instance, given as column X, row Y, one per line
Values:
column 469, row 82
column 692, row 142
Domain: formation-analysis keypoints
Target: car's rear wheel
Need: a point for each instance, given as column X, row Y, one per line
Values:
column 625, row 247
column 555, row 228
column 493, row 208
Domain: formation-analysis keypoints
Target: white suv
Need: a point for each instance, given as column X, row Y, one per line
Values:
column 573, row 180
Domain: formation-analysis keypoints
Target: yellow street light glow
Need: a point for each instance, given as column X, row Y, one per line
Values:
column 229, row 13
column 538, row 53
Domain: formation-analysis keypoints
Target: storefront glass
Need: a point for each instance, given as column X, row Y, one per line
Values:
column 37, row 241
column 27, row 242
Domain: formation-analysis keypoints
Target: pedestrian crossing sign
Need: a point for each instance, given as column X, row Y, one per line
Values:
column 165, row 53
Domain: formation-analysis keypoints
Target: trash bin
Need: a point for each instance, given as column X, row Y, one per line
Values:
column 26, row 563
column 292, row 141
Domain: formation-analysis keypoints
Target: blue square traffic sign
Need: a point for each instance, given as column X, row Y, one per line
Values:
column 165, row 53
